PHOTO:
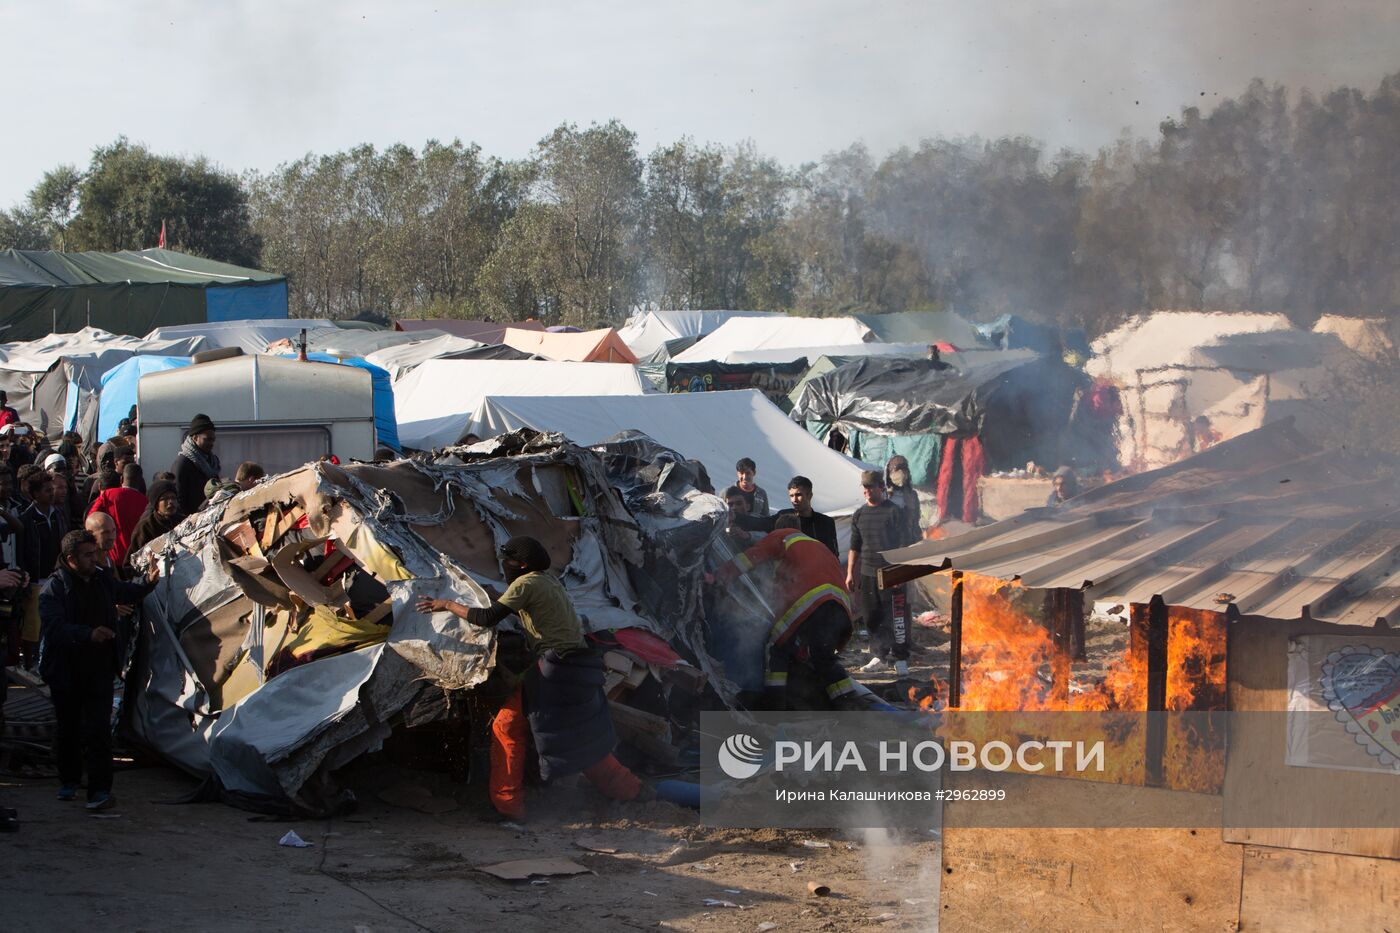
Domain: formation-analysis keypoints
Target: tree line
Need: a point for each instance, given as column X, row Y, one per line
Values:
column 1270, row 201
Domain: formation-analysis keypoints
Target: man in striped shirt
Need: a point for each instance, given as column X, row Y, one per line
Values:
column 811, row 609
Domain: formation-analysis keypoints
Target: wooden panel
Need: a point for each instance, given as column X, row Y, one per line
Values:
column 1285, row 889
column 1258, row 669
column 1084, row 879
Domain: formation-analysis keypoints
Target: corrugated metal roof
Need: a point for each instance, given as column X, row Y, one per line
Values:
column 1287, row 530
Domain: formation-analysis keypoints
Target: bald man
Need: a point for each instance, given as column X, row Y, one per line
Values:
column 103, row 529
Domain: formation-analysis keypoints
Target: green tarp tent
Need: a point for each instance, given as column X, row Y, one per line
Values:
column 131, row 292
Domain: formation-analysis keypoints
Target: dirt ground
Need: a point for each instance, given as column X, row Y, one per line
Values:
column 151, row 865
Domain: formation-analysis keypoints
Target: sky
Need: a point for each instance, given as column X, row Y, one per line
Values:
column 254, row 83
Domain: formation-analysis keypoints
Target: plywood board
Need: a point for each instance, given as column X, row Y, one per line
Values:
column 1084, row 879
column 1286, row 889
column 1257, row 769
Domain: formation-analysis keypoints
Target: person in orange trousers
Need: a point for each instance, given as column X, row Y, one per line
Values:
column 560, row 701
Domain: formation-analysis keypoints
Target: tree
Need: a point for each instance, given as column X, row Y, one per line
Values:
column 128, row 191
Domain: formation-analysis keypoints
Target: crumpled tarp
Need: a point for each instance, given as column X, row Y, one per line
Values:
column 206, row 697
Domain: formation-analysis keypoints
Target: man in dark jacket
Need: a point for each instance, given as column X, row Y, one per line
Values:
column 44, row 526
column 83, row 649
column 562, row 695
column 813, row 523
column 196, row 464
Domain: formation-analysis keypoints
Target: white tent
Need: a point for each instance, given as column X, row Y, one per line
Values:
column 761, row 333
column 249, row 336
column 399, row 361
column 716, row 428
column 792, row 354
column 647, row 331
column 434, row 402
column 1366, row 336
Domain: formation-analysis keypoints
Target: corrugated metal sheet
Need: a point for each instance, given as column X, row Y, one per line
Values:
column 1265, row 524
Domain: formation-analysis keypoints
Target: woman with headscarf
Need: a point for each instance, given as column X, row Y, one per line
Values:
column 161, row 516
column 561, row 700
column 900, row 486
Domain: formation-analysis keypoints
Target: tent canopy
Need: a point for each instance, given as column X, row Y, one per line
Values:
column 483, row 331
column 436, row 400
column 129, row 292
column 590, row 346
column 761, row 333
column 400, row 359
column 716, row 428
column 922, row 327
column 248, row 336
column 789, row 354
column 646, row 332
column 1170, row 338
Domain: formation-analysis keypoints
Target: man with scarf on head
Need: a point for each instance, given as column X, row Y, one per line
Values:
column 561, row 698
column 162, row 514
column 196, row 464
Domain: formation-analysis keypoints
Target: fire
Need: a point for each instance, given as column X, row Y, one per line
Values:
column 1010, row 662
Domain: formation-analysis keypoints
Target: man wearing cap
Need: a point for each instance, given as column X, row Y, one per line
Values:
column 561, row 698
column 877, row 526
column 196, row 464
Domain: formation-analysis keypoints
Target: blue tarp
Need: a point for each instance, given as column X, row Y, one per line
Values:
column 386, row 425
column 119, row 388
column 246, row 302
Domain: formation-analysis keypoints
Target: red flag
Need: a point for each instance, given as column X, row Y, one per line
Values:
column 161, row 244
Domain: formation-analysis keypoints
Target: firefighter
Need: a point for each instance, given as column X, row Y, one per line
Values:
column 811, row 613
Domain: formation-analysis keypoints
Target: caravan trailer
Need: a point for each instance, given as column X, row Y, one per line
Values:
column 280, row 413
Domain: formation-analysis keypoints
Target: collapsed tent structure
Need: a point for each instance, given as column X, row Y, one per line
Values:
column 400, row 360
column 1235, row 371
column 129, row 292
column 52, row 381
column 436, row 402
column 282, row 641
column 648, row 331
column 715, row 428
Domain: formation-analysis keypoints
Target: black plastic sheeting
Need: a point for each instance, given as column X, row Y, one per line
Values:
column 1022, row 409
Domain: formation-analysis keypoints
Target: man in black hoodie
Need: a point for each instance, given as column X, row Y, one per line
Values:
column 83, row 650
column 196, row 464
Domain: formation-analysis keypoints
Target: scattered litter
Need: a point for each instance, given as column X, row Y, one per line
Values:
column 884, row 918
column 713, row 902
column 766, row 926
column 521, row 869
column 701, row 866
column 814, row 844
column 796, row 866
column 650, row 894
column 1223, row 598
column 817, row 889
column 913, row 901
column 732, row 891
column 589, row 844
column 513, row 827
column 538, row 881
column 930, row 619
column 294, row 841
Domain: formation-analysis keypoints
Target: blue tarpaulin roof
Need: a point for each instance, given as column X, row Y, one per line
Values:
column 119, row 388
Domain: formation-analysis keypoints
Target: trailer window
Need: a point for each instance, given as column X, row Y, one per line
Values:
column 275, row 449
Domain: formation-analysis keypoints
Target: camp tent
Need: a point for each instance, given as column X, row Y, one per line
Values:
column 762, row 333
column 483, row 331
column 248, row 336
column 436, row 400
column 849, row 350
column 716, row 428
column 117, row 392
column 922, row 327
column 1365, row 336
column 400, row 360
column 50, row 380
column 130, row 292
column 647, row 331
column 1239, row 371
column 590, row 346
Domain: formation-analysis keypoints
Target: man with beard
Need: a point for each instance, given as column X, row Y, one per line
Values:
column 196, row 464
column 561, row 697
column 162, row 515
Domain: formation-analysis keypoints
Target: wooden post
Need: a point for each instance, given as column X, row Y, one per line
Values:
column 955, row 625
column 1156, row 690
column 1065, row 609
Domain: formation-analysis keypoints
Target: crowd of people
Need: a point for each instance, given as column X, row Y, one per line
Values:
column 72, row 515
